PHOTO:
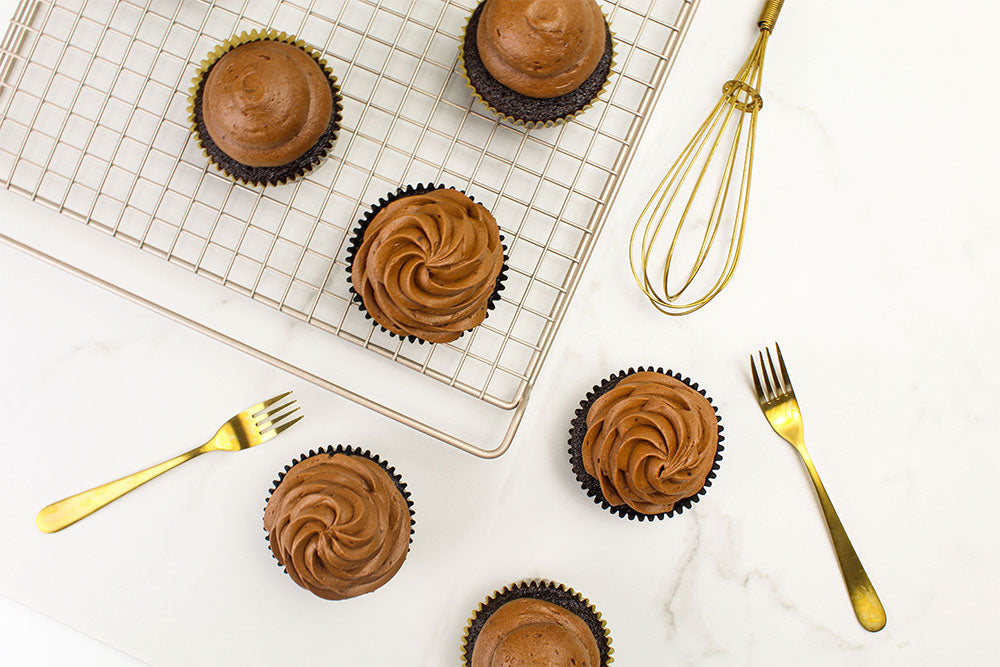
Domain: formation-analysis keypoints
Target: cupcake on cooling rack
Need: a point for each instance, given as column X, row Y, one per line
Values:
column 265, row 108
column 537, row 62
column 646, row 443
column 427, row 263
column 339, row 520
column 536, row 623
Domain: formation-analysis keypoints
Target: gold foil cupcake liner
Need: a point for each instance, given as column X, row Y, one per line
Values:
column 541, row 589
column 256, row 35
column 531, row 124
column 578, row 430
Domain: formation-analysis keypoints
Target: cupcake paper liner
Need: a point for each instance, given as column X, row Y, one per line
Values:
column 350, row 451
column 577, row 102
column 261, row 175
column 540, row 589
column 578, row 430
column 359, row 236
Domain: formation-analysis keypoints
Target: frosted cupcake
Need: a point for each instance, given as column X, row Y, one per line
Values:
column 339, row 521
column 265, row 107
column 427, row 263
column 536, row 623
column 646, row 443
column 537, row 62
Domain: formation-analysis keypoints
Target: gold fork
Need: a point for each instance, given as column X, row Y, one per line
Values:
column 251, row 427
column 777, row 401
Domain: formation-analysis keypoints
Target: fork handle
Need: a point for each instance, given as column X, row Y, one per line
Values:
column 68, row 511
column 867, row 605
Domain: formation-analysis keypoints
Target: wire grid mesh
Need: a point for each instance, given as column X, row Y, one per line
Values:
column 94, row 95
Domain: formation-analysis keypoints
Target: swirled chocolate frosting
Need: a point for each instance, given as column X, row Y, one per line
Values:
column 527, row 632
column 651, row 442
column 265, row 103
column 428, row 265
column 339, row 525
column 541, row 48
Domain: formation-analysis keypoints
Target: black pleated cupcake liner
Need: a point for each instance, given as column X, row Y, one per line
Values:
column 520, row 109
column 578, row 430
column 548, row 591
column 359, row 237
column 262, row 175
column 331, row 451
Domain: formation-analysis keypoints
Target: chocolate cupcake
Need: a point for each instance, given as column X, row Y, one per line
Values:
column 265, row 107
column 340, row 521
column 427, row 263
column 646, row 443
column 536, row 623
column 537, row 62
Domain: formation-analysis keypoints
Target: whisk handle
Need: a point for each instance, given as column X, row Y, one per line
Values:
column 769, row 15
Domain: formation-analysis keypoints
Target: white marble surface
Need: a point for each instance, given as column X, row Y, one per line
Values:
column 870, row 256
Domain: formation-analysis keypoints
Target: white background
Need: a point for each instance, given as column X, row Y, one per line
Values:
column 871, row 256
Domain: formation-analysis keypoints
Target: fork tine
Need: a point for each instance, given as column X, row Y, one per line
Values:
column 267, row 435
column 272, row 422
column 774, row 375
column 254, row 409
column 761, row 398
column 268, row 414
column 784, row 371
column 767, row 382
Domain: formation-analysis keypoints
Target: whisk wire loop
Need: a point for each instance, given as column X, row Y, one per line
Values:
column 734, row 114
column 712, row 227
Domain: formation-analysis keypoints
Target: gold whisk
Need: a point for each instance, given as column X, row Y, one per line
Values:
column 742, row 95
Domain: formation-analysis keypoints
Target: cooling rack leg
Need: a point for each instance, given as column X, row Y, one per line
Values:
column 384, row 410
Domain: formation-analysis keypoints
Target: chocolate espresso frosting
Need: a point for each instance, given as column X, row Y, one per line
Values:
column 339, row 525
column 266, row 103
column 428, row 265
column 534, row 633
column 651, row 442
column 541, row 48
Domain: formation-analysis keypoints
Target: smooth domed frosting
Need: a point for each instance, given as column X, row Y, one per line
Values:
column 428, row 265
column 339, row 525
column 541, row 48
column 527, row 632
column 266, row 103
column 651, row 442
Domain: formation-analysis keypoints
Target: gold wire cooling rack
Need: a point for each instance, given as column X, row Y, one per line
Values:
column 93, row 123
